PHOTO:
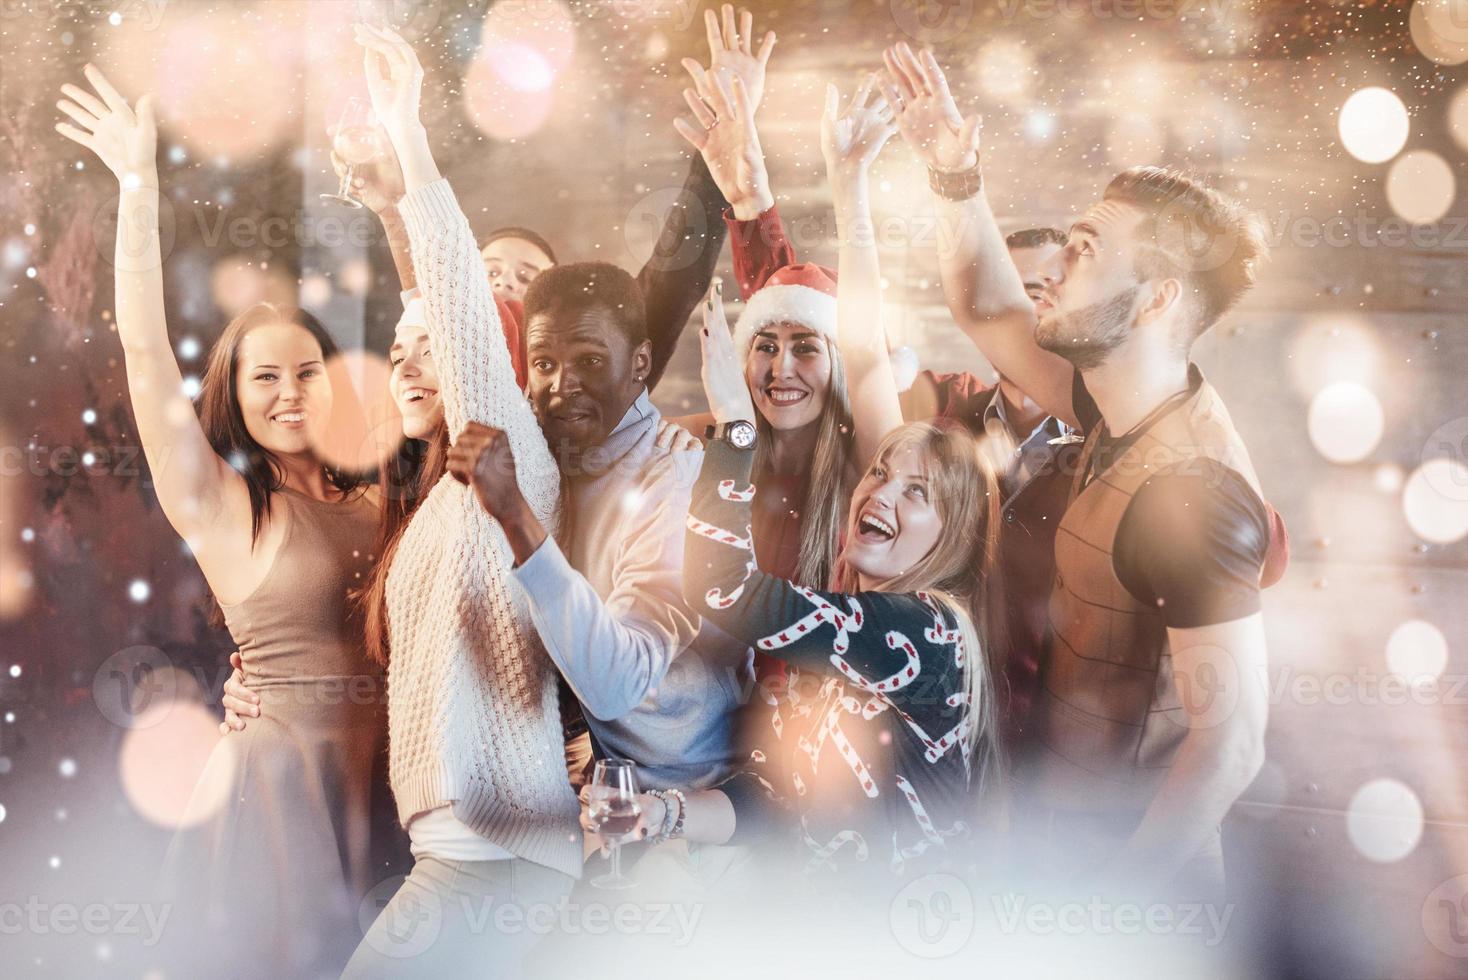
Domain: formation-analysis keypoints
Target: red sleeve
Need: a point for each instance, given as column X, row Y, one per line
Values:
column 760, row 249
column 959, row 396
column 512, row 316
column 1277, row 558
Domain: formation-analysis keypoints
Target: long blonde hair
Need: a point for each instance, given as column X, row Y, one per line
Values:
column 823, row 511
column 959, row 571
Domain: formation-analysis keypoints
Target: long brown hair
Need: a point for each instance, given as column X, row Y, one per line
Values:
column 823, row 511
column 224, row 424
column 960, row 570
column 403, row 481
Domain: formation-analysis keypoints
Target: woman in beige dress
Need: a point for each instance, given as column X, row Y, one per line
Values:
column 278, row 862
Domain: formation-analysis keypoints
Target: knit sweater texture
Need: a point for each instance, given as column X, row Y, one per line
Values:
column 473, row 716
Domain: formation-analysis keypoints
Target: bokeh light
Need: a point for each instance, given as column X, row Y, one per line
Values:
column 509, row 89
column 1004, row 69
column 169, row 771
column 1384, row 820
column 1134, row 139
column 1417, row 652
column 1439, row 29
column 238, row 284
column 1374, row 125
column 1433, row 511
column 226, row 76
column 1332, row 349
column 1458, row 117
column 1420, row 187
column 1346, row 422
column 365, row 427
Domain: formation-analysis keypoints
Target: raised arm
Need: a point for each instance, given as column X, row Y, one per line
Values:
column 850, row 141
column 195, row 487
column 682, row 263
column 476, row 375
column 677, row 274
column 983, row 289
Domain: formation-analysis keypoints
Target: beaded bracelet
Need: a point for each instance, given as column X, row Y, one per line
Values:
column 958, row 186
column 666, row 827
column 677, row 830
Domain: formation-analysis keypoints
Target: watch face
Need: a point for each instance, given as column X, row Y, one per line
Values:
column 741, row 434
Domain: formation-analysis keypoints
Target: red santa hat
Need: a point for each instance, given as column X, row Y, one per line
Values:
column 804, row 293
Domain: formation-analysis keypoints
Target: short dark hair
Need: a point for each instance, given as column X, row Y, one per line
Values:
column 1198, row 235
column 515, row 231
column 1034, row 238
column 580, row 286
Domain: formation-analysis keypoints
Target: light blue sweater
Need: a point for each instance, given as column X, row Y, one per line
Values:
column 655, row 687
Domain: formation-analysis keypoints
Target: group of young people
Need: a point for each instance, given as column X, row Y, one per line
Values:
column 851, row 629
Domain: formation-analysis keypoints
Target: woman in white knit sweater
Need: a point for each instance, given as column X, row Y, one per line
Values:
column 475, row 736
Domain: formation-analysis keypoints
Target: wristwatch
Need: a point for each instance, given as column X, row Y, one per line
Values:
column 740, row 433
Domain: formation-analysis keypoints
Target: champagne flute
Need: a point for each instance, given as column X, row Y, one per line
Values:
column 355, row 140
column 613, row 808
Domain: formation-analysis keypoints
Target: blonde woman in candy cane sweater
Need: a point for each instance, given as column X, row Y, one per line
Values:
column 475, row 738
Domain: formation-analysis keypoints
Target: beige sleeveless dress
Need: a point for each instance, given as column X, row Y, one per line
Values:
column 268, row 882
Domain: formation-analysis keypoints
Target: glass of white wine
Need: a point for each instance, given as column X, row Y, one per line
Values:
column 354, row 139
column 613, row 808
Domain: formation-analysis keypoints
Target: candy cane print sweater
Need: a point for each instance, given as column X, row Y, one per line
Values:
column 866, row 750
column 473, row 716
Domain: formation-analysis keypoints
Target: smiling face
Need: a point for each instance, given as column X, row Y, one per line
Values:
column 893, row 522
column 585, row 374
column 414, row 381
column 788, row 370
column 280, row 381
column 512, row 265
column 1088, row 304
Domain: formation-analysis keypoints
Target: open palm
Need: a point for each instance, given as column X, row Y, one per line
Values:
column 851, row 140
column 926, row 113
column 723, row 131
column 126, row 141
column 394, row 78
column 732, row 54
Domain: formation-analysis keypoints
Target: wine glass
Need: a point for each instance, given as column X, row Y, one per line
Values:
column 355, row 140
column 613, row 808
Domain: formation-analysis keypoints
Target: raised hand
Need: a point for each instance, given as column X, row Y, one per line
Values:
column 926, row 114
column 377, row 183
column 722, row 130
column 394, row 79
column 723, row 375
column 731, row 53
column 126, row 141
column 851, row 140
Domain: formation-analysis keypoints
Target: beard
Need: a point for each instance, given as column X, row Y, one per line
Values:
column 1086, row 337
